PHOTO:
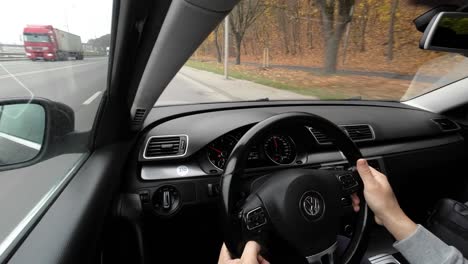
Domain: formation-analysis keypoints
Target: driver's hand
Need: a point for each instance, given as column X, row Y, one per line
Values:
column 377, row 192
column 251, row 255
column 382, row 201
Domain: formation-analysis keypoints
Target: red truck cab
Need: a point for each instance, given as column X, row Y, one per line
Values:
column 40, row 42
column 49, row 43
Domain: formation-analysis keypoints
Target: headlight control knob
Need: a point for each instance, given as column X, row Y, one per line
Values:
column 166, row 200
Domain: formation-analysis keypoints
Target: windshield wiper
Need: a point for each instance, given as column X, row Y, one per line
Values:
column 266, row 99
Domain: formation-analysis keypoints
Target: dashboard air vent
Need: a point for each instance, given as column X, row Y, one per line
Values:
column 319, row 136
column 359, row 133
column 446, row 124
column 166, row 146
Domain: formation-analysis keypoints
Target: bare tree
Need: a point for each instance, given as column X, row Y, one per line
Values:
column 363, row 25
column 240, row 19
column 218, row 47
column 309, row 17
column 294, row 9
column 391, row 30
column 334, row 24
column 283, row 25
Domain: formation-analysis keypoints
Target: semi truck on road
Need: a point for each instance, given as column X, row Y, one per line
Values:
column 51, row 44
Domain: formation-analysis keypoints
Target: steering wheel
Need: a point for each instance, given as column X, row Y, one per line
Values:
column 299, row 208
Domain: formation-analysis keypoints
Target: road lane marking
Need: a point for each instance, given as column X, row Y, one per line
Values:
column 91, row 99
column 21, row 141
column 10, row 75
column 46, row 70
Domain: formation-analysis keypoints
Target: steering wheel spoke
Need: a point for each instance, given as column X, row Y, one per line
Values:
column 328, row 256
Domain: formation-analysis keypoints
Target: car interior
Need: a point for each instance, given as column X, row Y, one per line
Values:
column 170, row 184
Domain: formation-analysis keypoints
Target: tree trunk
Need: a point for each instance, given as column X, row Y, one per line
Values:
column 294, row 6
column 310, row 43
column 331, row 53
column 238, row 45
column 391, row 30
column 244, row 47
column 364, row 21
column 282, row 23
column 363, row 33
column 332, row 31
column 218, row 48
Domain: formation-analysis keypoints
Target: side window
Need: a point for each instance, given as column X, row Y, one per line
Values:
column 53, row 73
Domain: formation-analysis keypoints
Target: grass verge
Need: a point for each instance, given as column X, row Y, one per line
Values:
column 245, row 74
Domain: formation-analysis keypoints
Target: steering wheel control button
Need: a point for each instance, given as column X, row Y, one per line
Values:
column 348, row 182
column 346, row 201
column 144, row 196
column 312, row 205
column 255, row 218
column 166, row 200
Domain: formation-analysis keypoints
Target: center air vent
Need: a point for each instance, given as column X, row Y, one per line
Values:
column 357, row 133
column 166, row 147
column 446, row 124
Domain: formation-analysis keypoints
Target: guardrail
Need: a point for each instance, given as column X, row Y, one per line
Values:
column 7, row 56
column 12, row 56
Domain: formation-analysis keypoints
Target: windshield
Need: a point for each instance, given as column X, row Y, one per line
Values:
column 309, row 50
column 36, row 38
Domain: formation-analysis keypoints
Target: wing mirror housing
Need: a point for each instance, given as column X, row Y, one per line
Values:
column 447, row 31
column 31, row 130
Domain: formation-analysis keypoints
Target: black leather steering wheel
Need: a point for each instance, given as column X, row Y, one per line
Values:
column 299, row 208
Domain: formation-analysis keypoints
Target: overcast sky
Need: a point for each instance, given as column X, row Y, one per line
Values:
column 86, row 18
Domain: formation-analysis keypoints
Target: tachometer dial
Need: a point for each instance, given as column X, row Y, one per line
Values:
column 219, row 150
column 280, row 149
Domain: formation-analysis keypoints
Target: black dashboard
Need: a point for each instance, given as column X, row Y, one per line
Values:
column 183, row 150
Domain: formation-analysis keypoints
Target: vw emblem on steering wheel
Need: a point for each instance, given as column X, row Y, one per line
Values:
column 312, row 205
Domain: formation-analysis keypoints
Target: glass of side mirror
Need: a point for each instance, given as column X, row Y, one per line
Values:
column 22, row 129
column 447, row 31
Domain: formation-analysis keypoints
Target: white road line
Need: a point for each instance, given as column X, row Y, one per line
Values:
column 46, row 70
column 91, row 99
column 10, row 75
column 21, row 141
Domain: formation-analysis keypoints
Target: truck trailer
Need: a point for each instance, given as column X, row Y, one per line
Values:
column 51, row 44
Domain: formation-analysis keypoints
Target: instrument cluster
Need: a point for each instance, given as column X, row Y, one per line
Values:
column 275, row 148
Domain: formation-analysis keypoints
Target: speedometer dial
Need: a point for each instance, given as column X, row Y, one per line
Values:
column 219, row 150
column 280, row 149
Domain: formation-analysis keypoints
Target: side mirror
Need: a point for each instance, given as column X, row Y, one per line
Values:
column 447, row 31
column 31, row 129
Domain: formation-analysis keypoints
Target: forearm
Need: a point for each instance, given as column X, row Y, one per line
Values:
column 399, row 225
column 422, row 247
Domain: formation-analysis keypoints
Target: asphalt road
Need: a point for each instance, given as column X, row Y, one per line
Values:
column 79, row 84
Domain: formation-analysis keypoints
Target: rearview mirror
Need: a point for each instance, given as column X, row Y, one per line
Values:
column 447, row 31
column 30, row 130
